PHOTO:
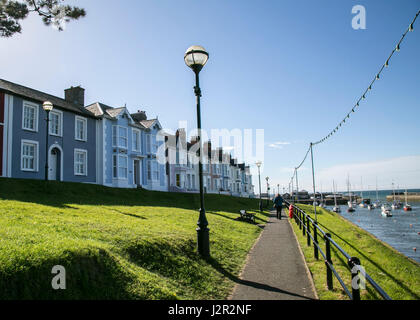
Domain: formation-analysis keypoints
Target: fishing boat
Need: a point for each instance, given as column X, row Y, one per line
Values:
column 336, row 208
column 407, row 207
column 386, row 210
column 377, row 203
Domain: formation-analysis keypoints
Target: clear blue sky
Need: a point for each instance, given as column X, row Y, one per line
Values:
column 292, row 68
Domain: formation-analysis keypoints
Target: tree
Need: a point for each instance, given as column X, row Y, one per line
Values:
column 52, row 12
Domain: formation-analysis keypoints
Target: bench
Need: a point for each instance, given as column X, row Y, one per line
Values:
column 247, row 216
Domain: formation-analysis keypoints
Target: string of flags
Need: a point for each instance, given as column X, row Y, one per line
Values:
column 369, row 88
column 363, row 97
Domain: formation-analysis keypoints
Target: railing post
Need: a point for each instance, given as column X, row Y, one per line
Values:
column 308, row 232
column 314, row 223
column 303, row 223
column 300, row 218
column 355, row 279
column 328, row 259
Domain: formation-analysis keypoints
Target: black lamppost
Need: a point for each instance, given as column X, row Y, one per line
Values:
column 259, row 163
column 47, row 106
column 268, row 190
column 196, row 57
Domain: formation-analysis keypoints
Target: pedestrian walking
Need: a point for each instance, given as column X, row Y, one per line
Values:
column 278, row 204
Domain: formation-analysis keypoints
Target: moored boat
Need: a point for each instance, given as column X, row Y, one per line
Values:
column 386, row 210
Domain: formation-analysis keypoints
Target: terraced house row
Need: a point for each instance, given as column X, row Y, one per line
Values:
column 105, row 145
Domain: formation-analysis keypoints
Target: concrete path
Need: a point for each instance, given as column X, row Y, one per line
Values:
column 275, row 268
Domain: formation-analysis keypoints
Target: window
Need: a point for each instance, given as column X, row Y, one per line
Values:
column 119, row 137
column 122, row 166
column 149, row 170
column 114, row 166
column 155, row 171
column 80, row 162
column 122, row 137
column 148, row 143
column 56, row 123
column 178, row 180
column 119, row 166
column 80, row 128
column 136, row 140
column 29, row 155
column 30, row 116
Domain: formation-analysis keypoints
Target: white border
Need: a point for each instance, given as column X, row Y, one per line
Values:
column 36, row 116
column 36, row 160
column 74, row 162
column 61, row 160
column 84, row 127
column 60, row 133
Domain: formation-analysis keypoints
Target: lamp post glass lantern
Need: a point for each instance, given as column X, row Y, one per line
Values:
column 196, row 57
column 47, row 106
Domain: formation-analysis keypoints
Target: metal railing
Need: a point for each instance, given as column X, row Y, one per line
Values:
column 304, row 221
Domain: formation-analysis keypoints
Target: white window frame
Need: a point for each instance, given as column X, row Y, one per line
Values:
column 117, row 137
column 119, row 166
column 149, row 143
column 149, row 170
column 36, row 155
column 36, row 115
column 134, row 147
column 86, row 162
column 84, row 120
column 60, row 123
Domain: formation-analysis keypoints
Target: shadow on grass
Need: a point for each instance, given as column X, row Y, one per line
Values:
column 217, row 266
column 68, row 194
column 90, row 275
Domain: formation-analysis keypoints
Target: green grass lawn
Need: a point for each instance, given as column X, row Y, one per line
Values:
column 117, row 243
column 396, row 274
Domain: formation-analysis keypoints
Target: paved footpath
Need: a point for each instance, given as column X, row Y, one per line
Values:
column 275, row 269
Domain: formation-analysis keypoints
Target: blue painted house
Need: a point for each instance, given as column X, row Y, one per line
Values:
column 127, row 149
column 71, row 146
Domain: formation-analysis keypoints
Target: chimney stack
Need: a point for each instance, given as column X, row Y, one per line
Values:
column 75, row 95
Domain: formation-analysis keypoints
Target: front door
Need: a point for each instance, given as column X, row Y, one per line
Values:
column 137, row 172
column 53, row 169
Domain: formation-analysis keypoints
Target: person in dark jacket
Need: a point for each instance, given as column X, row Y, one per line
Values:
column 278, row 204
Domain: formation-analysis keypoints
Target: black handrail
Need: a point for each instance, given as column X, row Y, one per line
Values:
column 303, row 220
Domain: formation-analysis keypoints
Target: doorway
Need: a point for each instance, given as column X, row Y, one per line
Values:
column 54, row 168
column 137, row 170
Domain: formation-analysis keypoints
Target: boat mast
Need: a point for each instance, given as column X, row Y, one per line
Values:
column 335, row 198
column 377, row 199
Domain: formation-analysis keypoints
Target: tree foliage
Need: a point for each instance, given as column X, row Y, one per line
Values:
column 52, row 12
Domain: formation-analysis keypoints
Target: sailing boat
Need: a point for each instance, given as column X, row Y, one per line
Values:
column 407, row 207
column 321, row 204
column 395, row 204
column 370, row 206
column 350, row 203
column 377, row 203
column 362, row 203
column 336, row 208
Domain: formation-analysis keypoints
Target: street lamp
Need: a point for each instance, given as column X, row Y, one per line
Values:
column 196, row 57
column 47, row 106
column 259, row 163
column 268, row 190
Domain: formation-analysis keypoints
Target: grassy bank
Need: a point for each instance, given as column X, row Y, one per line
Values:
column 117, row 243
column 396, row 274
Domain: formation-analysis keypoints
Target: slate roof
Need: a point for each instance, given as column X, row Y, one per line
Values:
column 25, row 92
